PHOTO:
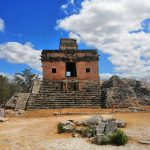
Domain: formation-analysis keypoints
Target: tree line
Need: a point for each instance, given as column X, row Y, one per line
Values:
column 21, row 83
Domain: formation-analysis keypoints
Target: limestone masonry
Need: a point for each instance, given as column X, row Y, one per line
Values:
column 70, row 78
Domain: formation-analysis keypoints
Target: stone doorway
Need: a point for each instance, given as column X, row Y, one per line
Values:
column 71, row 69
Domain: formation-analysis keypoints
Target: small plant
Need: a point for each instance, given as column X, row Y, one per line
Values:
column 105, row 140
column 60, row 127
column 118, row 138
column 88, row 132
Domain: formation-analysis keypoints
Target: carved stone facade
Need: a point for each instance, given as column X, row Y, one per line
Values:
column 70, row 63
column 70, row 78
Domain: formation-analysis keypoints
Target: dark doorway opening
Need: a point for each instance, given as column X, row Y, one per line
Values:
column 71, row 69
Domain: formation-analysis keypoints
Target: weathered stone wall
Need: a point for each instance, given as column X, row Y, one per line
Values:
column 36, row 86
column 123, row 93
column 81, row 70
column 61, row 70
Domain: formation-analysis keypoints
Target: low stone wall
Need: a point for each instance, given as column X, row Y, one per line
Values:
column 18, row 101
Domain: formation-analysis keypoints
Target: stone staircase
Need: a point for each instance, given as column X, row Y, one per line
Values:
column 55, row 94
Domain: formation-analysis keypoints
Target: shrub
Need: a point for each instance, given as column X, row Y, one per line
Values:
column 60, row 127
column 88, row 132
column 105, row 140
column 118, row 138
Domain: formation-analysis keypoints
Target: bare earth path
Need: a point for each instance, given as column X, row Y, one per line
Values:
column 39, row 133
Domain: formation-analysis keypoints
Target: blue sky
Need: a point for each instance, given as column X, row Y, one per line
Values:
column 34, row 21
column 32, row 25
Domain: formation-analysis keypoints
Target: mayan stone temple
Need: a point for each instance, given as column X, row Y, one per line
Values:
column 70, row 78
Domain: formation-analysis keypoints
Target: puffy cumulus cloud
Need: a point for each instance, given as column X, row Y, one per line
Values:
column 2, row 25
column 116, row 27
column 74, row 36
column 14, row 52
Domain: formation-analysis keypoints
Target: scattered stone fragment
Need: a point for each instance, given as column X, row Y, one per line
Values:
column 110, row 127
column 100, row 128
column 144, row 142
column 79, row 123
column 2, row 119
column 95, row 120
column 56, row 113
column 98, row 139
column 136, row 109
column 68, row 128
column 106, row 118
column 76, row 135
column 120, row 123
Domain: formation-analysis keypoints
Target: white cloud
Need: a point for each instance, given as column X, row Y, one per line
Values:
column 66, row 7
column 106, row 25
column 75, row 36
column 105, row 76
column 14, row 52
column 2, row 25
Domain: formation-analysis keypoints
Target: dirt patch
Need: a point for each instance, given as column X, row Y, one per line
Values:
column 40, row 133
column 50, row 112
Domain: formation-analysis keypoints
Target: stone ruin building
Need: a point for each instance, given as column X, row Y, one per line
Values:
column 122, row 93
column 71, row 80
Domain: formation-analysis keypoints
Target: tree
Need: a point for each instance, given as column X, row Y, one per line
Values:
column 24, row 80
column 4, row 89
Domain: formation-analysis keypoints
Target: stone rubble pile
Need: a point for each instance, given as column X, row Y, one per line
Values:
column 123, row 93
column 95, row 128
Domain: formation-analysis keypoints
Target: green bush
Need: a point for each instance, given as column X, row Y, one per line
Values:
column 88, row 132
column 105, row 140
column 60, row 128
column 118, row 138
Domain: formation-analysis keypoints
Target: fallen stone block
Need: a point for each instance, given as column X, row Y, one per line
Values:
column 95, row 120
column 110, row 127
column 100, row 128
column 68, row 128
column 144, row 142
column 120, row 123
column 3, row 119
column 107, row 117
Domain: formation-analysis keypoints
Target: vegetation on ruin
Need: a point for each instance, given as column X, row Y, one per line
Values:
column 21, row 82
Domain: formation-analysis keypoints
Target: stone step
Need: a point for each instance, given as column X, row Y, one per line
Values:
column 52, row 95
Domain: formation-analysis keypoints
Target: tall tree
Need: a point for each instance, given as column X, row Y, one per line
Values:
column 4, row 89
column 25, row 79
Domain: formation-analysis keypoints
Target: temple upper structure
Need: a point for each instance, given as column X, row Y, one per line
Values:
column 69, row 62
